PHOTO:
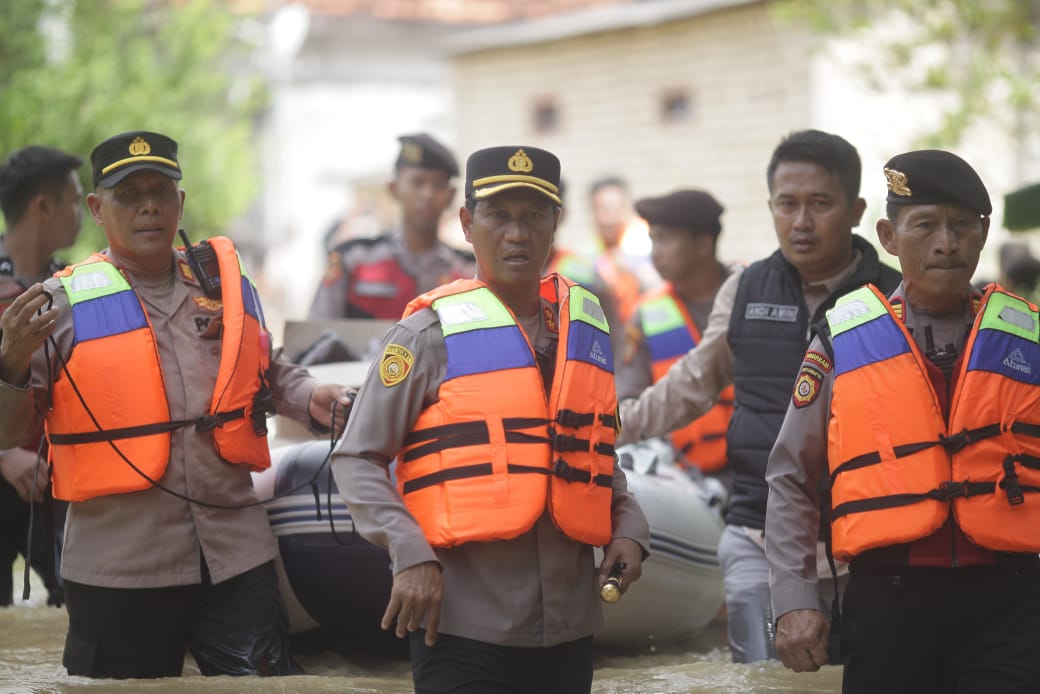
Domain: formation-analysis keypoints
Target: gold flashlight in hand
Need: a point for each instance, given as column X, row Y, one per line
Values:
column 611, row 590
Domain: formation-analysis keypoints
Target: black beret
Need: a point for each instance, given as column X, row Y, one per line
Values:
column 121, row 155
column 424, row 152
column 695, row 210
column 492, row 170
column 933, row 177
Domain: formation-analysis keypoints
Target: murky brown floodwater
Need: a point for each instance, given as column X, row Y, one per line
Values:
column 32, row 636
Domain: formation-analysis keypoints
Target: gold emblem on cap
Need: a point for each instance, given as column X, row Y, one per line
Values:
column 139, row 147
column 520, row 162
column 411, row 152
column 897, row 182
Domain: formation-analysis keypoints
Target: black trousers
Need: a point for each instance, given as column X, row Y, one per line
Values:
column 973, row 630
column 464, row 666
column 238, row 627
column 48, row 520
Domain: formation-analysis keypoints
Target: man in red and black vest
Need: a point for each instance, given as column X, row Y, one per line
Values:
column 376, row 277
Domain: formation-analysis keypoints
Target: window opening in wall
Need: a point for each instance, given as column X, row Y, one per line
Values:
column 676, row 106
column 546, row 116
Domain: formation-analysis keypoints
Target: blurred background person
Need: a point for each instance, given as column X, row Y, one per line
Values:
column 668, row 322
column 623, row 260
column 40, row 195
column 376, row 276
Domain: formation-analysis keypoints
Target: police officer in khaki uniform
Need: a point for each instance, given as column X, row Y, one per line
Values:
column 489, row 615
column 377, row 277
column 946, row 606
column 684, row 229
column 41, row 199
column 184, row 559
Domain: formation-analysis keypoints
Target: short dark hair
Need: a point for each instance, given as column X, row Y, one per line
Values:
column 29, row 171
column 607, row 182
column 892, row 211
column 832, row 152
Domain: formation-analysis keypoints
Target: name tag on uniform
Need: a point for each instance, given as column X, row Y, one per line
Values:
column 381, row 289
column 774, row 312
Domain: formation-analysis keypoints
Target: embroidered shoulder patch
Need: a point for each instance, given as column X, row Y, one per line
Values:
column 819, row 359
column 395, row 365
column 807, row 386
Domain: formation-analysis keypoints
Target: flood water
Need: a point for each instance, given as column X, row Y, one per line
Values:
column 32, row 636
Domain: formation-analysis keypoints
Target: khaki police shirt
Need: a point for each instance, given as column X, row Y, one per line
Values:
column 539, row 589
column 430, row 269
column 150, row 539
column 799, row 459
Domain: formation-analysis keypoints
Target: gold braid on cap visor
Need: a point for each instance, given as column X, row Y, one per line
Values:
column 133, row 160
column 506, row 182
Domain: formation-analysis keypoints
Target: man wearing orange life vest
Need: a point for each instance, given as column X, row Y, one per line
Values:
column 152, row 390
column 684, row 230
column 496, row 397
column 923, row 409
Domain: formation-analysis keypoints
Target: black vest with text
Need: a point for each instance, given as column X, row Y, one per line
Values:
column 769, row 331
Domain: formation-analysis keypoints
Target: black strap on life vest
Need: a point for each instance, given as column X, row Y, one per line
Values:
column 576, row 420
column 465, row 472
column 473, row 433
column 572, row 474
column 953, row 444
column 205, row 423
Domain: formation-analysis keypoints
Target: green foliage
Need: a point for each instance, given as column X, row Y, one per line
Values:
column 133, row 65
column 985, row 54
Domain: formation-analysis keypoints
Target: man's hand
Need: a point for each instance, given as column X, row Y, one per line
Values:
column 19, row 468
column 322, row 399
column 416, row 594
column 24, row 332
column 801, row 640
column 622, row 549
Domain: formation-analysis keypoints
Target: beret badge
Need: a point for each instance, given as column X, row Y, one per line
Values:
column 411, row 153
column 139, row 147
column 897, row 182
column 520, row 162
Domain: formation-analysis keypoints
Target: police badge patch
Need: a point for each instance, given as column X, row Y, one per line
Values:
column 807, row 386
column 395, row 365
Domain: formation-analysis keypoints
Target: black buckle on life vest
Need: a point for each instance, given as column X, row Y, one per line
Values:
column 1010, row 482
column 574, row 420
column 949, row 490
column 570, row 473
column 566, row 442
column 955, row 443
column 209, row 422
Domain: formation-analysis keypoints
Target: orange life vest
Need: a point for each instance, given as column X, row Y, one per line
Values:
column 486, row 460
column 897, row 468
column 114, row 370
column 670, row 333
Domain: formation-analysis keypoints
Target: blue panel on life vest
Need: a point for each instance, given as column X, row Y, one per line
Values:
column 671, row 343
column 1007, row 355
column 107, row 315
column 249, row 300
column 490, row 349
column 875, row 341
column 589, row 344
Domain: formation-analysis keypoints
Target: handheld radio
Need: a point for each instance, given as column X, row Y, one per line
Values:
column 203, row 262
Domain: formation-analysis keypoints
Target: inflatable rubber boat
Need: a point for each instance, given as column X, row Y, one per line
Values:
column 336, row 582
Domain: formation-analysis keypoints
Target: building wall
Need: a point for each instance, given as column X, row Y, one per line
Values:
column 747, row 80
